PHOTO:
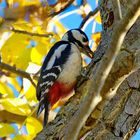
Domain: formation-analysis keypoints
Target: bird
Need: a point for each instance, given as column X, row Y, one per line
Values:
column 60, row 70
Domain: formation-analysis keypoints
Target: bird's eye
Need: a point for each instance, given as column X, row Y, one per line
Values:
column 84, row 39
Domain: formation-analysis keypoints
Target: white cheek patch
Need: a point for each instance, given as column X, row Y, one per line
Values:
column 78, row 36
column 57, row 54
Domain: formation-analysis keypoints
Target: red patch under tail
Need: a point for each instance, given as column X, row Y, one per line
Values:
column 58, row 91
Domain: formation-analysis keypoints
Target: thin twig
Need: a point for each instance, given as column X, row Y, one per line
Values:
column 29, row 33
column 91, row 14
column 17, row 71
column 96, row 84
column 84, row 2
column 62, row 9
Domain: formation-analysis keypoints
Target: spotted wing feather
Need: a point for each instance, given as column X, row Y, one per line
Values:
column 47, row 79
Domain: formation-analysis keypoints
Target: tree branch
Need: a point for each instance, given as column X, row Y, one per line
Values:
column 8, row 117
column 122, row 68
column 119, row 9
column 97, row 83
column 29, row 33
column 12, row 13
column 136, row 124
column 91, row 14
column 118, row 115
column 18, row 72
column 62, row 8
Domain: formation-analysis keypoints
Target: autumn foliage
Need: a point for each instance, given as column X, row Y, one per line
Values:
column 27, row 31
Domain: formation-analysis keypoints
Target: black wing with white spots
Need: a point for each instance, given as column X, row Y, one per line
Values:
column 46, row 80
column 50, row 71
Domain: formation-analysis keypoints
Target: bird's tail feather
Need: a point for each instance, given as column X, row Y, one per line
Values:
column 46, row 114
column 44, row 104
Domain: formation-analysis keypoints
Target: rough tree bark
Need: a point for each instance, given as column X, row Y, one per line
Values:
column 117, row 116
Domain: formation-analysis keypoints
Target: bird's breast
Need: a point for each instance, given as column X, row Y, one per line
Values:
column 67, row 78
column 72, row 68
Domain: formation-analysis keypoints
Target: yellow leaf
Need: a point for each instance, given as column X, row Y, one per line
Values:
column 36, row 57
column 42, row 47
column 15, row 83
column 23, row 25
column 33, row 126
column 30, row 2
column 15, row 51
column 96, row 37
column 4, row 89
column 23, row 59
column 19, row 137
column 61, row 29
column 31, row 94
column 1, row 20
column 24, row 2
column 6, row 130
column 98, row 18
column 16, row 106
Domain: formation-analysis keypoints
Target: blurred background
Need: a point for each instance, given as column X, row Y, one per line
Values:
column 28, row 29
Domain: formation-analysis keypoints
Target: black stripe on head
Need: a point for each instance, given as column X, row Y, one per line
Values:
column 73, row 39
column 77, row 41
column 85, row 39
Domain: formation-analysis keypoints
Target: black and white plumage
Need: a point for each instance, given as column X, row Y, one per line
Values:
column 60, row 69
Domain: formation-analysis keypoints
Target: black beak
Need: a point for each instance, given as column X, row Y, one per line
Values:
column 87, row 51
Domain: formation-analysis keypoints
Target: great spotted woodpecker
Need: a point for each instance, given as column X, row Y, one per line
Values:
column 60, row 70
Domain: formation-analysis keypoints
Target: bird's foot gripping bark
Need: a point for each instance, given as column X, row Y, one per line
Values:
column 83, row 77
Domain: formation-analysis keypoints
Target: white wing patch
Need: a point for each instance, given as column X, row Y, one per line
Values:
column 49, row 74
column 57, row 54
column 47, row 80
column 44, row 83
column 46, row 91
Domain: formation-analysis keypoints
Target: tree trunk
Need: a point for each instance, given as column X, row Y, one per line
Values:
column 117, row 116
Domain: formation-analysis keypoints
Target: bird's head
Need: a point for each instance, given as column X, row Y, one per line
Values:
column 80, row 39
